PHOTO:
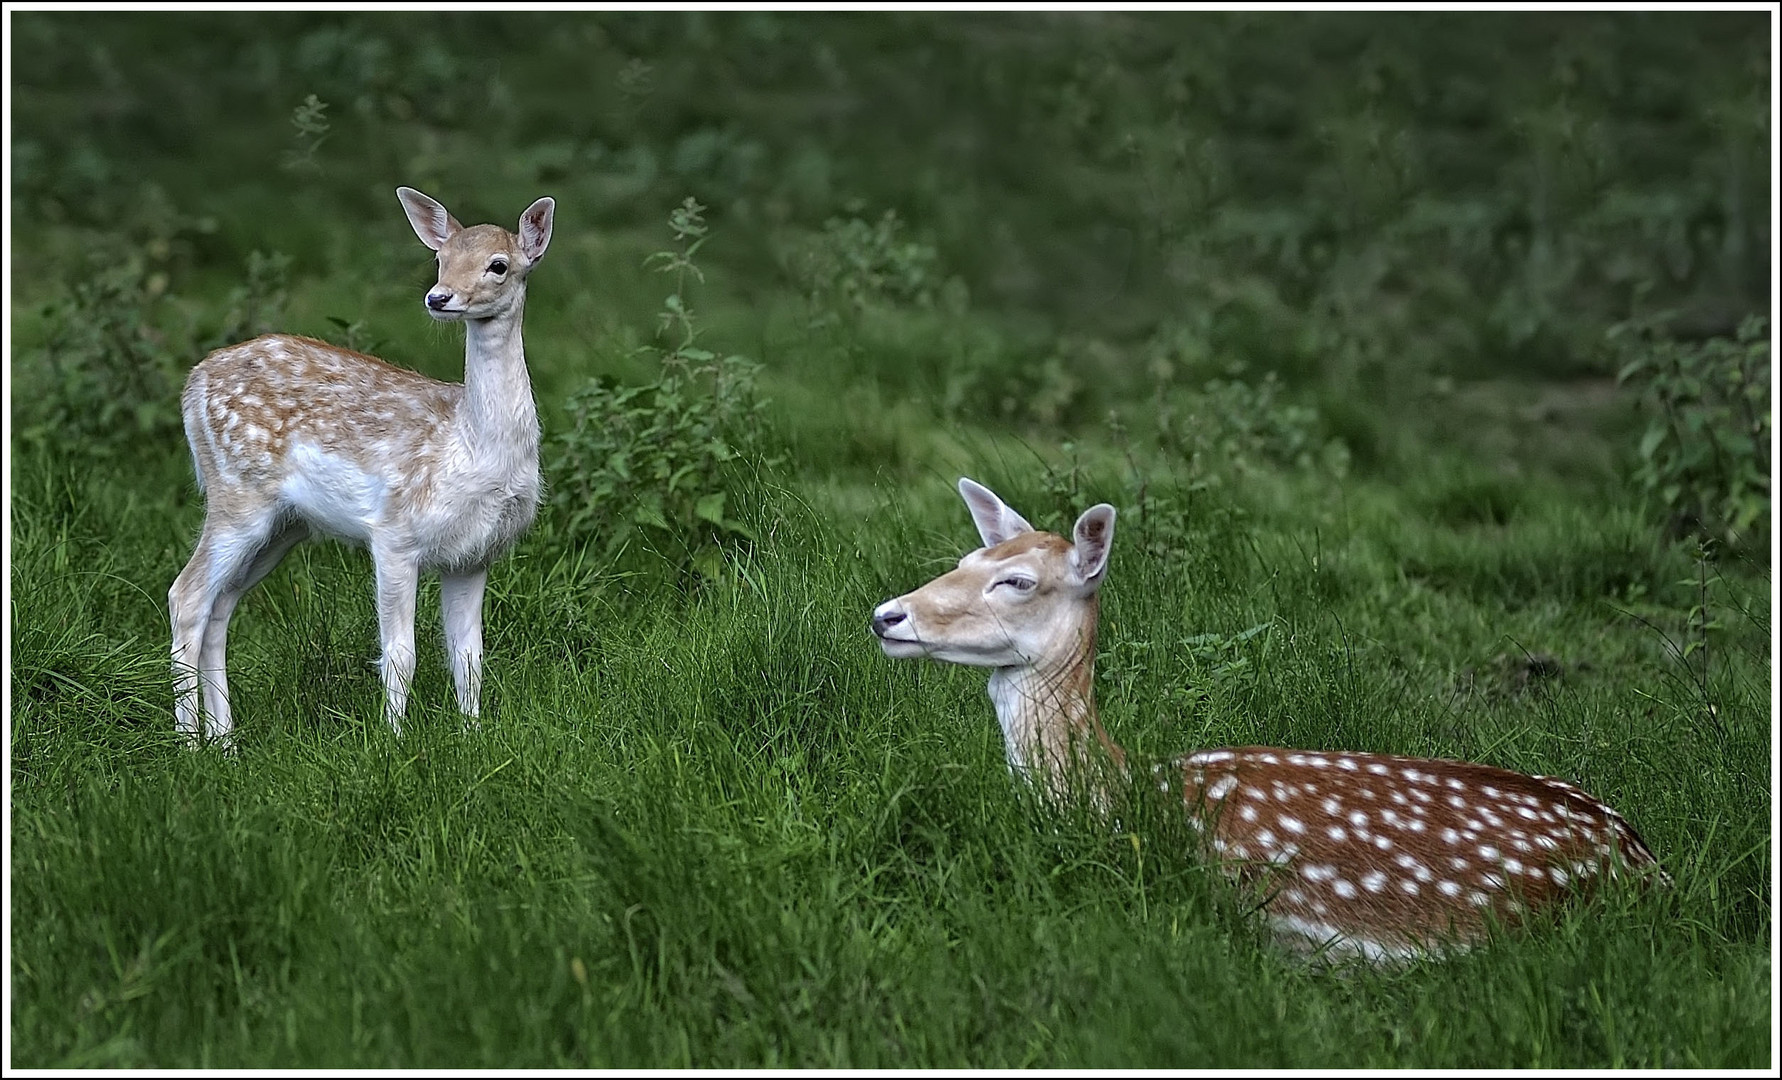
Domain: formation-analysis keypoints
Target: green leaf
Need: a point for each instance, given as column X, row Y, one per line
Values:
column 710, row 508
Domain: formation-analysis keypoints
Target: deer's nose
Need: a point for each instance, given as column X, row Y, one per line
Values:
column 438, row 300
column 883, row 621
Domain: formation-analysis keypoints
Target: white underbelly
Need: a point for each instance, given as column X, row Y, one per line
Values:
column 466, row 517
column 333, row 494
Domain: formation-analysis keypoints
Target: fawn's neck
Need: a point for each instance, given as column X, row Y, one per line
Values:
column 1047, row 712
column 499, row 413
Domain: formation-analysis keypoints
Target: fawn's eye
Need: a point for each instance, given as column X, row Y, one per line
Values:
column 1019, row 584
column 498, row 267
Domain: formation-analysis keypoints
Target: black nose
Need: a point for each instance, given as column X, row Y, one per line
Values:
column 882, row 623
column 437, row 301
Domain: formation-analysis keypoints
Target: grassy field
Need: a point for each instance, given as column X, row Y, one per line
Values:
column 1322, row 304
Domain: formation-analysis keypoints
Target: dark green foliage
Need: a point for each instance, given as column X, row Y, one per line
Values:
column 669, row 465
column 854, row 263
column 112, row 379
column 1705, row 455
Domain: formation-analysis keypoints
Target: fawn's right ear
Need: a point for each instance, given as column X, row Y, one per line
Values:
column 995, row 521
column 431, row 222
column 1093, row 539
column 535, row 228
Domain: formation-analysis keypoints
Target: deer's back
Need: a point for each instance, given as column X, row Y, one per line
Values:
column 1394, row 853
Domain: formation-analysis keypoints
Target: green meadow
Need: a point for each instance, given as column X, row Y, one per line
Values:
column 1424, row 357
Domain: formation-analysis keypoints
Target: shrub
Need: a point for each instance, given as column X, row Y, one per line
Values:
column 856, row 263
column 1705, row 454
column 117, row 345
column 1233, row 423
column 112, row 375
column 665, row 465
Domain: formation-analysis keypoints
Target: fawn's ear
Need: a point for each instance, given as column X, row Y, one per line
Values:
column 995, row 521
column 535, row 228
column 431, row 222
column 1094, row 539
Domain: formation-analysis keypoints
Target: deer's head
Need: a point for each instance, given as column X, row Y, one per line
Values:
column 482, row 269
column 1024, row 597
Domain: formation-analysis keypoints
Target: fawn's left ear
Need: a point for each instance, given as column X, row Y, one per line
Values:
column 1094, row 538
column 535, row 228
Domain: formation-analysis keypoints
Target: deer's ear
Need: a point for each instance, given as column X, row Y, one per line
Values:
column 1094, row 539
column 995, row 521
column 430, row 220
column 535, row 228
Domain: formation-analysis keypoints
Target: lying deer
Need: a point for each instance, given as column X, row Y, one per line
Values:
column 293, row 437
column 1369, row 855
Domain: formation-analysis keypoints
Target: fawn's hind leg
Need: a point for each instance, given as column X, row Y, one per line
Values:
column 224, row 553
column 212, row 668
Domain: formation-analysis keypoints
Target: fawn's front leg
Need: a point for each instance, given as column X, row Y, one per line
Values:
column 461, row 606
column 398, row 574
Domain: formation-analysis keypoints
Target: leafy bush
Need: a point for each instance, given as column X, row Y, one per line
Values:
column 1011, row 386
column 666, row 464
column 112, row 377
column 118, row 343
column 855, row 263
column 1705, row 453
column 1233, row 423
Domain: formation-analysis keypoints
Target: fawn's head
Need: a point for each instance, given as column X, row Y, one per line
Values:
column 482, row 269
column 1022, row 598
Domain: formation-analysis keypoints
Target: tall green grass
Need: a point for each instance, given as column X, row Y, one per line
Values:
column 720, row 829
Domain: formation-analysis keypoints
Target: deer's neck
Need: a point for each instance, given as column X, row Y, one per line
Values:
column 1047, row 711
column 499, row 415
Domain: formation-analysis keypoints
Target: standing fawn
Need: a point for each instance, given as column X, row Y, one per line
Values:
column 1367, row 855
column 292, row 436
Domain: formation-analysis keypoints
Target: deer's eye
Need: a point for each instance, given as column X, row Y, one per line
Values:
column 498, row 267
column 1019, row 584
